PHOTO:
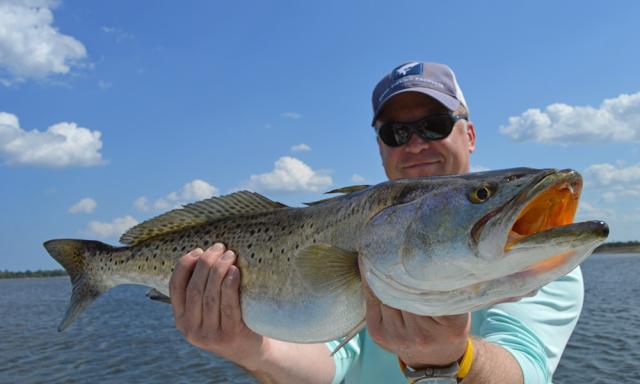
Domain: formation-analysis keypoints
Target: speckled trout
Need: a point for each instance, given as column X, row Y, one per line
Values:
column 431, row 246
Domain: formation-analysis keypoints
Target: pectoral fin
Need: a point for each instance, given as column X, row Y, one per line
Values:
column 328, row 269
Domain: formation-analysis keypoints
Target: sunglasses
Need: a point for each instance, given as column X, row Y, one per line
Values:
column 434, row 127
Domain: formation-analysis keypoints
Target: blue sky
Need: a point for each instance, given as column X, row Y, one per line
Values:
column 113, row 112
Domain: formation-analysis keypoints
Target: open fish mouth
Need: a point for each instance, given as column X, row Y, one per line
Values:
column 552, row 203
column 547, row 217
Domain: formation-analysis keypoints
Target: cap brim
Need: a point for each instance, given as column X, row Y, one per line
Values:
column 447, row 101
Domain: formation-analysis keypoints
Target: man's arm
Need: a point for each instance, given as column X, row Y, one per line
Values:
column 204, row 290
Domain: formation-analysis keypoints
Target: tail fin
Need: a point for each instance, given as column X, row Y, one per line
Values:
column 73, row 256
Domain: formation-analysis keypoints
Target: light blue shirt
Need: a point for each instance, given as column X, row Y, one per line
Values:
column 535, row 330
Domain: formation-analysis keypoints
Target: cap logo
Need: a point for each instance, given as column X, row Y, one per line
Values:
column 407, row 69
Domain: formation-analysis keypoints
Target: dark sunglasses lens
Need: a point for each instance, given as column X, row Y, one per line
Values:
column 387, row 134
column 435, row 128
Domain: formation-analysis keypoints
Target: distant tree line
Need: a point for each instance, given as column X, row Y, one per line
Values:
column 39, row 273
column 619, row 245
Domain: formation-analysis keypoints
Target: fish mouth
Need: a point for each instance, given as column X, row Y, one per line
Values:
column 546, row 219
column 551, row 203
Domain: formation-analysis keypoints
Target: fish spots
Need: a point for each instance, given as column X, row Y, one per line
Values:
column 206, row 243
column 249, row 245
column 253, row 255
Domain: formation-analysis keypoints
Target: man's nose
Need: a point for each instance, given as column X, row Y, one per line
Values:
column 416, row 144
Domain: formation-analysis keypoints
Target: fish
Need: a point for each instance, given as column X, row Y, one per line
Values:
column 432, row 246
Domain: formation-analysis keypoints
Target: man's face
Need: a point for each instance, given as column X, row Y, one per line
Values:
column 419, row 157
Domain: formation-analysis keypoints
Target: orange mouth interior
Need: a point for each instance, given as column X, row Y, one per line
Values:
column 554, row 207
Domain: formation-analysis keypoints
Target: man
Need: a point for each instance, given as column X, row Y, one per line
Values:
column 423, row 128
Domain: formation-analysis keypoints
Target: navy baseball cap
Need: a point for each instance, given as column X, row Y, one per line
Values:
column 432, row 79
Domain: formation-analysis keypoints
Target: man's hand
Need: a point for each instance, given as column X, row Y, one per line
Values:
column 419, row 341
column 204, row 290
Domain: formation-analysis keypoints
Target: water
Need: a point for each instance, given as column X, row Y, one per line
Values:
column 126, row 338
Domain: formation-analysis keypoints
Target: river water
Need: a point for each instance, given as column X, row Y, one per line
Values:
column 126, row 338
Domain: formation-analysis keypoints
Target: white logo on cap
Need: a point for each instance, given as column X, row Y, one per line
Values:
column 402, row 71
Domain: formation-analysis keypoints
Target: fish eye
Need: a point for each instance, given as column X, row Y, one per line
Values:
column 481, row 194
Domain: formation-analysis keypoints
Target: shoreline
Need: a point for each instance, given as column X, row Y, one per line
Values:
column 32, row 274
column 631, row 249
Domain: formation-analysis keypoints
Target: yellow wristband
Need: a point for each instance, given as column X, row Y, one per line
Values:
column 464, row 363
column 466, row 360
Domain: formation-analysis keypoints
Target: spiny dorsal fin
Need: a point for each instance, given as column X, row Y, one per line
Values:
column 215, row 208
column 325, row 268
column 349, row 189
column 345, row 190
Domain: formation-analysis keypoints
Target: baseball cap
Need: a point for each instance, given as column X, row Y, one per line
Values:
column 432, row 79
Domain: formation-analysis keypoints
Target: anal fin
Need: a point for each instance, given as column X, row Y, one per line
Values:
column 156, row 295
column 352, row 333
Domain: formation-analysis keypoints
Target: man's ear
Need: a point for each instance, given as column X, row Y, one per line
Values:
column 471, row 135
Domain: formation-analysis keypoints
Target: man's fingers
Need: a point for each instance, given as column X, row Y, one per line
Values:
column 197, row 284
column 179, row 280
column 213, row 290
column 230, row 312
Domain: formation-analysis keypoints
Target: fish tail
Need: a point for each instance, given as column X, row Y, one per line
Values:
column 74, row 256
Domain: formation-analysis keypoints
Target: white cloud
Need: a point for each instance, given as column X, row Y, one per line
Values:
column 104, row 84
column 142, row 204
column 193, row 191
column 30, row 47
column 302, row 147
column 479, row 168
column 616, row 120
column 357, row 178
column 619, row 192
column 86, row 205
column 119, row 34
column 586, row 211
column 115, row 228
column 289, row 175
column 291, row 115
column 62, row 145
column 607, row 174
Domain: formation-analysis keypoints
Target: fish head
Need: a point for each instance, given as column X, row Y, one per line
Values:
column 470, row 240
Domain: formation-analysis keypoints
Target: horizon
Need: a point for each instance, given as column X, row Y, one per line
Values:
column 111, row 114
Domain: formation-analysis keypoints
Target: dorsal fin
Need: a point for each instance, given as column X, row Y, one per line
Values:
column 349, row 189
column 344, row 190
column 215, row 208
